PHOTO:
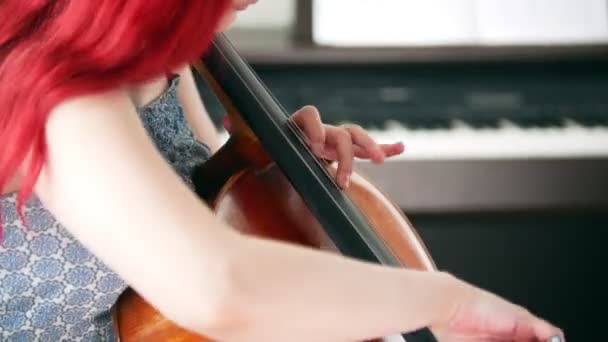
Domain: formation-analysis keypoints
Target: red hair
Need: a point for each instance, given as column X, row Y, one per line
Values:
column 51, row 50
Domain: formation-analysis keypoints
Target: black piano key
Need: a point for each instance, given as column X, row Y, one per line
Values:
column 432, row 96
column 484, row 121
column 591, row 115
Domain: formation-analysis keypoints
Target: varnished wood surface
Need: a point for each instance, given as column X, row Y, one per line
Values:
column 142, row 322
column 262, row 202
column 493, row 185
column 273, row 46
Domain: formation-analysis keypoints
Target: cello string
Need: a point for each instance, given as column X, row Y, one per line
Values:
column 294, row 128
column 302, row 138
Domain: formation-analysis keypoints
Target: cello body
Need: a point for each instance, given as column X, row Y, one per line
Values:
column 247, row 189
column 260, row 201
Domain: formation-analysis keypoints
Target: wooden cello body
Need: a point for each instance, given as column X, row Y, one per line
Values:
column 248, row 189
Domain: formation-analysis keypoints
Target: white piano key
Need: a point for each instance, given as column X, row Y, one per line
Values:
column 508, row 141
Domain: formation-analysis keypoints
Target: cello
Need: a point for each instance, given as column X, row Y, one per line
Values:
column 265, row 181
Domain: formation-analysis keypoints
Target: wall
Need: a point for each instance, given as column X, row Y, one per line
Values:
column 267, row 14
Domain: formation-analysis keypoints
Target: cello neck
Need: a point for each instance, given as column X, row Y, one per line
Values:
column 245, row 95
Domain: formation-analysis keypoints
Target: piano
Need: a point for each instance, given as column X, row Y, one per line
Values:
column 485, row 129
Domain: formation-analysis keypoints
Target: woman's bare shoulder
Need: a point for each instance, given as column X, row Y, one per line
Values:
column 109, row 100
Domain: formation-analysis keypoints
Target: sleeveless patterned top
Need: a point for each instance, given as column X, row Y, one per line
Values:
column 51, row 287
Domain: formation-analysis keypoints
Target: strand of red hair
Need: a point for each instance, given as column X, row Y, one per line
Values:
column 52, row 50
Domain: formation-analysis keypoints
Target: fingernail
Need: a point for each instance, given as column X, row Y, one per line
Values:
column 347, row 182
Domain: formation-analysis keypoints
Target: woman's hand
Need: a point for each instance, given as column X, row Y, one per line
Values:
column 481, row 316
column 341, row 143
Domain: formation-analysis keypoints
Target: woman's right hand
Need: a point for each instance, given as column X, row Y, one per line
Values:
column 482, row 316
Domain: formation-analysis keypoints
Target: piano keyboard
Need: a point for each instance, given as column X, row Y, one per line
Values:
column 508, row 141
column 478, row 136
column 509, row 168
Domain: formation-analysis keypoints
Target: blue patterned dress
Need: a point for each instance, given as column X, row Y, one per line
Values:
column 51, row 287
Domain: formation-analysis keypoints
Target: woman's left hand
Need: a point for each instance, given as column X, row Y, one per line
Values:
column 341, row 143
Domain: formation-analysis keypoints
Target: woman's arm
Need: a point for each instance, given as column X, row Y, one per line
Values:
column 110, row 187
column 196, row 114
column 105, row 181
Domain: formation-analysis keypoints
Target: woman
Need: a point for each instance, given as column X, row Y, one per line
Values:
column 101, row 123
